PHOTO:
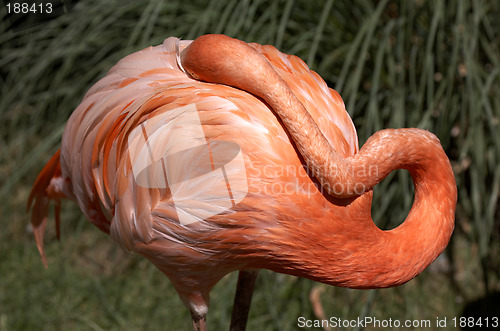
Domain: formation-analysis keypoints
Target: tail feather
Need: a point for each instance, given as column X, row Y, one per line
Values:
column 47, row 187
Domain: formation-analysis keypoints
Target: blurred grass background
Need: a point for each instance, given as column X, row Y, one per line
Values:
column 427, row 64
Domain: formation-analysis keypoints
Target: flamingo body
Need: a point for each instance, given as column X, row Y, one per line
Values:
column 285, row 221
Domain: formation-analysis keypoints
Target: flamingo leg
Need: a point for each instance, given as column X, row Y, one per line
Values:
column 199, row 323
column 243, row 299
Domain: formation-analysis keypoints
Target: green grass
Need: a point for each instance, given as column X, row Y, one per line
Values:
column 433, row 65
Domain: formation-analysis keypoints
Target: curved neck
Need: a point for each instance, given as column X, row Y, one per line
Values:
column 345, row 248
column 224, row 60
column 349, row 250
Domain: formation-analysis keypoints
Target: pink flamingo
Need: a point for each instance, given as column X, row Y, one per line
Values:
column 298, row 188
